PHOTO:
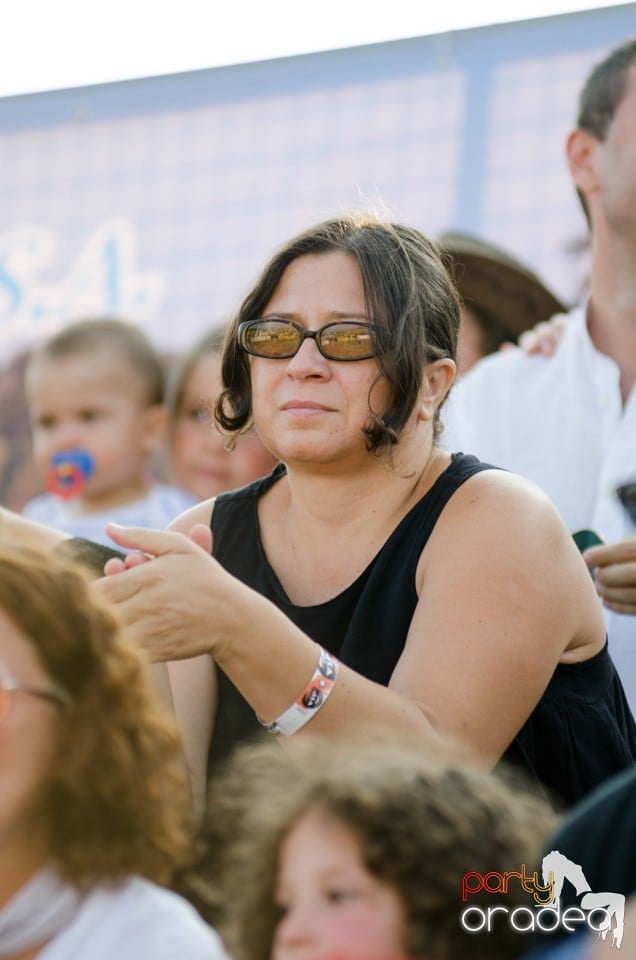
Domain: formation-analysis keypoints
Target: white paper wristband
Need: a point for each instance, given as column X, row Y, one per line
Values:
column 313, row 697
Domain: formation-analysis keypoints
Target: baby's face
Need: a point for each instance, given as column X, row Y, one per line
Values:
column 331, row 905
column 93, row 403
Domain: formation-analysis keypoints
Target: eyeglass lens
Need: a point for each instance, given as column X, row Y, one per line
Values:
column 280, row 339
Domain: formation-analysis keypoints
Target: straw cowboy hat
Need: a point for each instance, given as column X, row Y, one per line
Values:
column 503, row 290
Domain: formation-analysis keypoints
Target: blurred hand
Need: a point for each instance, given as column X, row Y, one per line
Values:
column 200, row 534
column 175, row 599
column 615, row 574
column 544, row 338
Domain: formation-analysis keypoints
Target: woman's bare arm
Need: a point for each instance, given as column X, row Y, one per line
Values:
column 504, row 595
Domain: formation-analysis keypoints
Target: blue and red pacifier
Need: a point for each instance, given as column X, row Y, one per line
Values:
column 68, row 473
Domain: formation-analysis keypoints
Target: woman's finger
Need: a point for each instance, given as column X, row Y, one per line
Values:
column 202, row 536
column 154, row 543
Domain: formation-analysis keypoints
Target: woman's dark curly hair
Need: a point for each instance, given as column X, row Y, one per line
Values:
column 116, row 800
column 421, row 825
column 407, row 290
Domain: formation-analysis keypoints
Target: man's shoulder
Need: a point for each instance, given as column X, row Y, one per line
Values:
column 514, row 367
column 500, row 372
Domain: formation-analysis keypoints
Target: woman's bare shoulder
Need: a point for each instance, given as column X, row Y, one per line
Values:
column 199, row 513
column 497, row 490
column 499, row 514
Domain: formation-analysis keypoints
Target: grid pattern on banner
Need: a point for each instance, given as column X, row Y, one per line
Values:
column 210, row 190
column 160, row 199
column 527, row 159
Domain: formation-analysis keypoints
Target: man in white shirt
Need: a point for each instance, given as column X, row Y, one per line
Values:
column 568, row 421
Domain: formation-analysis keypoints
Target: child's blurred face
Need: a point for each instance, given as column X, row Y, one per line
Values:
column 332, row 906
column 199, row 461
column 94, row 402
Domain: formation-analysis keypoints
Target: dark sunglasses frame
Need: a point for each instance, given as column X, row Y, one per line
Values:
column 626, row 493
column 379, row 336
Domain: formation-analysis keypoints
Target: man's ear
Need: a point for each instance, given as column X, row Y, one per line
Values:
column 581, row 151
column 437, row 381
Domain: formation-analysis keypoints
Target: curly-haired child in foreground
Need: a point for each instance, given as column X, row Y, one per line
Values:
column 365, row 856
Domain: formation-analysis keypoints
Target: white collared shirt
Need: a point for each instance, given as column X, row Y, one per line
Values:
column 559, row 421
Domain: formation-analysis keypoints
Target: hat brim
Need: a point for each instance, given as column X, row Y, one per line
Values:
column 501, row 288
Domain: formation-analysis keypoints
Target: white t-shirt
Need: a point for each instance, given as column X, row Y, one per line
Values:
column 157, row 509
column 135, row 921
column 559, row 421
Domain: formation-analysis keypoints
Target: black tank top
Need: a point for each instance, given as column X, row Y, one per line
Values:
column 580, row 732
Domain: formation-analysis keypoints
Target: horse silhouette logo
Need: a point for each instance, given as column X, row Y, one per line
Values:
column 556, row 869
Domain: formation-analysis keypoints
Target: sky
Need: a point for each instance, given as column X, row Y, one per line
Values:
column 56, row 44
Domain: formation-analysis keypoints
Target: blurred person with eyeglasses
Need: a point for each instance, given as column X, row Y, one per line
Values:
column 94, row 809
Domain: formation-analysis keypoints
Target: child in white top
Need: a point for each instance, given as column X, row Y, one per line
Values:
column 95, row 393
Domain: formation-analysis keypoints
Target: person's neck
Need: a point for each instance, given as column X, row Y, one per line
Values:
column 611, row 312
column 324, row 500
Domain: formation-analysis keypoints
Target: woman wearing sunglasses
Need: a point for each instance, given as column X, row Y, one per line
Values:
column 374, row 586
column 93, row 804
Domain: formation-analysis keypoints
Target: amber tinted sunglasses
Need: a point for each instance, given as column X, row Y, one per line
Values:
column 278, row 339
